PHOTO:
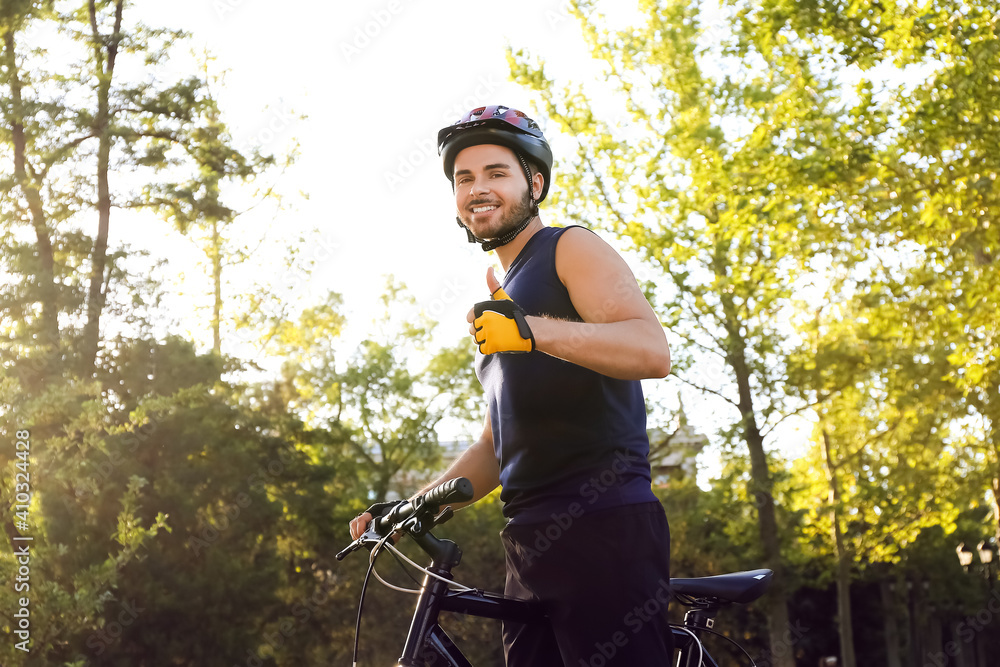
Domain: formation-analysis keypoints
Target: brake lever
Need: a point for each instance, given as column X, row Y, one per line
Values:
column 414, row 524
column 444, row 515
column 369, row 537
column 351, row 548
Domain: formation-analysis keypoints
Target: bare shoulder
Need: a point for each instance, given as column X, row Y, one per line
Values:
column 600, row 283
column 580, row 249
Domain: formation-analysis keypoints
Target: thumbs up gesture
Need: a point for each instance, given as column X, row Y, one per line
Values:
column 499, row 325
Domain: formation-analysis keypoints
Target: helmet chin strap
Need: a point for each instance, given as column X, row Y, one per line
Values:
column 493, row 244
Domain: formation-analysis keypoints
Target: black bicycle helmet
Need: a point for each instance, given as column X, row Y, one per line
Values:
column 502, row 126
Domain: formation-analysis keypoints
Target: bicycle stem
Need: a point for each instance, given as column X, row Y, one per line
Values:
column 445, row 555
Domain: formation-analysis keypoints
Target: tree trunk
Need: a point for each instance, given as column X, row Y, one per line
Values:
column 97, row 292
column 844, row 615
column 782, row 639
column 891, row 620
column 995, row 482
column 935, row 641
column 921, row 644
column 963, row 655
column 48, row 294
column 996, row 505
column 216, row 257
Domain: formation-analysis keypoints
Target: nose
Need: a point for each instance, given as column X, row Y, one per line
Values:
column 481, row 186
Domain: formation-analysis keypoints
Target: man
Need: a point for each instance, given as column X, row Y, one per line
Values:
column 562, row 347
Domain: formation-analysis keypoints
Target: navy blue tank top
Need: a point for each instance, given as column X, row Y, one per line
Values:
column 568, row 440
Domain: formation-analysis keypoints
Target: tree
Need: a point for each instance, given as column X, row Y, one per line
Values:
column 725, row 175
column 381, row 404
column 196, row 205
column 71, row 135
column 932, row 191
column 132, row 437
column 933, row 187
column 882, row 437
column 29, row 179
column 389, row 395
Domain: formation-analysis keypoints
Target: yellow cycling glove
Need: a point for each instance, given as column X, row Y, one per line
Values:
column 501, row 327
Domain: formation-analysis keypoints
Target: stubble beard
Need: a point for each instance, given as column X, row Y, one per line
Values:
column 509, row 220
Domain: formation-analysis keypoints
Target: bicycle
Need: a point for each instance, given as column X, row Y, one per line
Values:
column 428, row 643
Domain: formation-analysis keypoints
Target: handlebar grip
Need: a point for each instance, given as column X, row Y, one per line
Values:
column 454, row 490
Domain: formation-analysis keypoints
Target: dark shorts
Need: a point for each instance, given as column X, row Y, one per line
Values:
column 604, row 581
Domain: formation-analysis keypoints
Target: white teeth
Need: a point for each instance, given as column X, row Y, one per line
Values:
column 483, row 209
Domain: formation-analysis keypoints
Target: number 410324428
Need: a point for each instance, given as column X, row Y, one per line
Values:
column 22, row 479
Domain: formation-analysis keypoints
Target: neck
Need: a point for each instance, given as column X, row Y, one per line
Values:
column 508, row 253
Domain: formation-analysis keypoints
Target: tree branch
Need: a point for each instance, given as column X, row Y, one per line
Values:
column 709, row 391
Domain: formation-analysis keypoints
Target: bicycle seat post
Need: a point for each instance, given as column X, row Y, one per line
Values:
column 697, row 618
column 700, row 618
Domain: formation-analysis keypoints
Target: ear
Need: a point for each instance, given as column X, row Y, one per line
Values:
column 537, row 181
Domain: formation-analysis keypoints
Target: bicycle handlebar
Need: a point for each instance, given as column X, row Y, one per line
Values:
column 454, row 490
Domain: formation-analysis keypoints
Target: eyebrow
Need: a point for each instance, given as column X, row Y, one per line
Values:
column 489, row 167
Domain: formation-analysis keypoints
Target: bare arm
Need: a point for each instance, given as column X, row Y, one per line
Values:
column 620, row 336
column 478, row 464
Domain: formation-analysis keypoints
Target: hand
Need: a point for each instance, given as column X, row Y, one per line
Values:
column 499, row 325
column 359, row 524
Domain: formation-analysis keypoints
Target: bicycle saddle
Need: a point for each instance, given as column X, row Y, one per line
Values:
column 740, row 587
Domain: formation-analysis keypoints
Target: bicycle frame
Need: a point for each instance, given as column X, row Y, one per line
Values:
column 426, row 639
column 427, row 642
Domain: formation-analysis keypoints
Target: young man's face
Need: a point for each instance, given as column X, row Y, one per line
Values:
column 491, row 192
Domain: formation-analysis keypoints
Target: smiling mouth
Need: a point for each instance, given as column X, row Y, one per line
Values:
column 484, row 209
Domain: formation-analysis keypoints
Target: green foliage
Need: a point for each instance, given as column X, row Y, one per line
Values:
column 175, row 517
column 886, row 420
column 389, row 395
column 929, row 199
column 816, row 182
column 452, row 373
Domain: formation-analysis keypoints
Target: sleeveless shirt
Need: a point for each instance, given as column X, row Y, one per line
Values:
column 568, row 440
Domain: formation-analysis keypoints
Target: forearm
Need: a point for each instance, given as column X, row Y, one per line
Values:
column 478, row 464
column 631, row 349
